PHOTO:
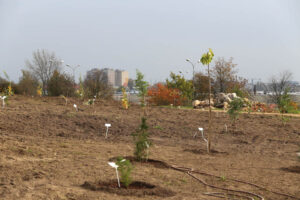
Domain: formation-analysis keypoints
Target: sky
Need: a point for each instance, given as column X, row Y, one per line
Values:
column 156, row 37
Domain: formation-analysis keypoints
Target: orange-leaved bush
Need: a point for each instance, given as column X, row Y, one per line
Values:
column 160, row 94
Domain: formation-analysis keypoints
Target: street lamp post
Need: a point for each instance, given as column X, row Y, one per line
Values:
column 193, row 65
column 73, row 68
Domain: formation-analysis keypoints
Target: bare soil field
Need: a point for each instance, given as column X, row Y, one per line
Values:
column 50, row 151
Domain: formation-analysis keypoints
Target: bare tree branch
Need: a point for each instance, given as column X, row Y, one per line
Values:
column 279, row 84
column 43, row 65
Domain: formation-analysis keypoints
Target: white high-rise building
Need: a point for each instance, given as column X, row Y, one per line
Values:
column 110, row 75
column 121, row 78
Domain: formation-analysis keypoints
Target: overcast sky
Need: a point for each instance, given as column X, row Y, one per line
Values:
column 154, row 36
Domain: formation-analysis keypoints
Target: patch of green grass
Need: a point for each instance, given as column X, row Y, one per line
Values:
column 223, row 178
column 158, row 127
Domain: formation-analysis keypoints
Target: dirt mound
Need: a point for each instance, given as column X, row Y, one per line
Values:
column 136, row 188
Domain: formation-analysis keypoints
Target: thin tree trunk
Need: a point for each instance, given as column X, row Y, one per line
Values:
column 209, row 122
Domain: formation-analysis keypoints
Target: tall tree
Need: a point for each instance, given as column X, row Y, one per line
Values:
column 43, row 64
column 184, row 86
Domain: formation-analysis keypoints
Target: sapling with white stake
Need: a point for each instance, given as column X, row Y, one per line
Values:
column 206, row 60
column 142, row 142
column 113, row 165
column 147, row 145
column 202, row 133
column 75, row 106
column 107, row 126
column 3, row 100
column 94, row 99
column 125, row 168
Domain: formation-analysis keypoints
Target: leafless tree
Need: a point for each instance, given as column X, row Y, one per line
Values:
column 96, row 83
column 279, row 84
column 223, row 73
column 28, row 83
column 201, row 86
column 43, row 64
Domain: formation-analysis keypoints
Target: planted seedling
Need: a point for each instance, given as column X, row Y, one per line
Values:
column 107, row 126
column 91, row 101
column 205, row 140
column 235, row 107
column 147, row 150
column 158, row 127
column 3, row 100
column 125, row 168
column 114, row 165
column 125, row 103
column 223, row 178
column 65, row 98
column 75, row 106
column 206, row 60
column 226, row 129
column 142, row 143
column 94, row 99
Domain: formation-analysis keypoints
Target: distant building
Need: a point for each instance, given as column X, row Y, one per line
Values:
column 116, row 78
column 121, row 78
column 110, row 75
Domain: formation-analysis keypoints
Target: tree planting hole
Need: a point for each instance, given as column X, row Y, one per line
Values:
column 293, row 169
column 152, row 162
column 203, row 152
column 136, row 188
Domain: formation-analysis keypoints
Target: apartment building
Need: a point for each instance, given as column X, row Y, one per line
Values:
column 121, row 78
column 116, row 78
column 110, row 75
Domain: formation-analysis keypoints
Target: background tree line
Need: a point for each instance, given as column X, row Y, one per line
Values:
column 45, row 71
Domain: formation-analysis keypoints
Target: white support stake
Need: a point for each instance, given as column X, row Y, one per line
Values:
column 147, row 145
column 107, row 126
column 3, row 100
column 75, row 106
column 113, row 165
column 202, row 132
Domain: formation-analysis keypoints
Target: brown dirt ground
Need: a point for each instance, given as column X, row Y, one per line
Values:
column 48, row 151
